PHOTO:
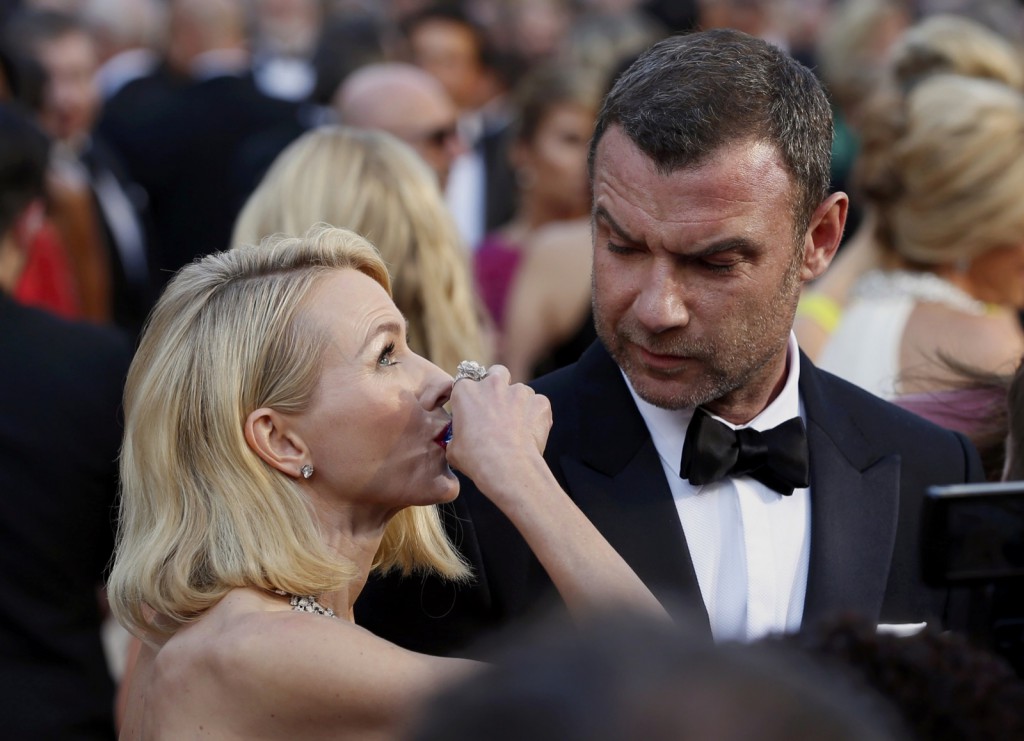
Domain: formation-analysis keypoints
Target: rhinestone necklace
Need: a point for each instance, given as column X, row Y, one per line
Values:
column 306, row 603
column 922, row 286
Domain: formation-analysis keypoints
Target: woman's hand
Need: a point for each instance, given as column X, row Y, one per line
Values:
column 497, row 428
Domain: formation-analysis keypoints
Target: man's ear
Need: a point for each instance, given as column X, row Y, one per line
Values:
column 824, row 233
column 272, row 439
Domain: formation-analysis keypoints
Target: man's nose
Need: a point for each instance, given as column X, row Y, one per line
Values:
column 660, row 304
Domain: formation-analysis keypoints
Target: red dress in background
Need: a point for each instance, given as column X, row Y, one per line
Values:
column 47, row 281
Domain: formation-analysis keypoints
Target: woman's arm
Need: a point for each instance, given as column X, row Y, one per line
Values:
column 499, row 433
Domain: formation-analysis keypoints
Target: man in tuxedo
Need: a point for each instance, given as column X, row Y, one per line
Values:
column 197, row 133
column 742, row 484
column 446, row 42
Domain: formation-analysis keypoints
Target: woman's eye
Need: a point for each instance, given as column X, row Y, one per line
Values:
column 387, row 355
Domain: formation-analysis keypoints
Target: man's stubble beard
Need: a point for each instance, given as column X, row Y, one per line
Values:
column 733, row 366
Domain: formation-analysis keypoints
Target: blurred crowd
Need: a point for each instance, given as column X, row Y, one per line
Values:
column 139, row 135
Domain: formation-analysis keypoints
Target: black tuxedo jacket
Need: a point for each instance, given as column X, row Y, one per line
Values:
column 871, row 463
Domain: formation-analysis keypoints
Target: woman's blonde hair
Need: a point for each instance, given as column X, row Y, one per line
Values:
column 201, row 513
column 374, row 184
column 944, row 169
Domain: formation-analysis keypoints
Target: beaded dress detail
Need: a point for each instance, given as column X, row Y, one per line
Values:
column 924, row 287
column 865, row 346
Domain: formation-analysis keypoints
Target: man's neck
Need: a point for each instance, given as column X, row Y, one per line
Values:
column 748, row 402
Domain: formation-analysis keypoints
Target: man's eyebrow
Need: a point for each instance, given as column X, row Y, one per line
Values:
column 389, row 327
column 739, row 244
column 600, row 212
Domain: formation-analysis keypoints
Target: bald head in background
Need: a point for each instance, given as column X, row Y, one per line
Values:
column 406, row 102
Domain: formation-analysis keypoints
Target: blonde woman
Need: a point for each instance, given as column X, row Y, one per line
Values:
column 944, row 183
column 939, row 44
column 374, row 184
column 282, row 440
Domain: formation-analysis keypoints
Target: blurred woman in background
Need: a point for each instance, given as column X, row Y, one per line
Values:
column 937, row 44
column 375, row 185
column 555, row 109
column 944, row 185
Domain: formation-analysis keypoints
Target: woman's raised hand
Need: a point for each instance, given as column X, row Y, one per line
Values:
column 498, row 436
column 496, row 428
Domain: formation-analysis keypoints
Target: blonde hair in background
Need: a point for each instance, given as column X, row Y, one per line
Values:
column 944, row 169
column 374, row 184
column 200, row 512
column 957, row 45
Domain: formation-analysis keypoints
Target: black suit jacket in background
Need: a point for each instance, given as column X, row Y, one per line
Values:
column 132, row 296
column 60, row 434
column 501, row 194
column 871, row 463
column 186, row 142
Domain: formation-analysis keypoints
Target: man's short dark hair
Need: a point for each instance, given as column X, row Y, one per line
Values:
column 689, row 95
column 24, row 152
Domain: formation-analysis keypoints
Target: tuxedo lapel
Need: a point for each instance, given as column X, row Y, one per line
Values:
column 854, row 508
column 616, row 478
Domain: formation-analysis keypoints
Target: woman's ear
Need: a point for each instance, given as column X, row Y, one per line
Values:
column 268, row 434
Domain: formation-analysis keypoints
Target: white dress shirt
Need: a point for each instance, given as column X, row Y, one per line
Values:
column 465, row 196
column 749, row 545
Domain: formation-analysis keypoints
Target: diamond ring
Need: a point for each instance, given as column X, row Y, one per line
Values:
column 470, row 369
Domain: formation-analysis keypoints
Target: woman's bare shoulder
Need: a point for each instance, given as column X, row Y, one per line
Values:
column 273, row 672
column 993, row 341
column 557, row 265
column 561, row 239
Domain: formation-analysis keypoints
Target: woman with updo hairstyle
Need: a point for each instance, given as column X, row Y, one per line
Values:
column 938, row 44
column 955, row 45
column 944, row 183
column 283, row 441
column 374, row 184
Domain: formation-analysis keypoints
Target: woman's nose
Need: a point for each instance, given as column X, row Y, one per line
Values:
column 437, row 385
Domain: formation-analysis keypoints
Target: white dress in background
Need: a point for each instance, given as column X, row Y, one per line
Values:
column 865, row 346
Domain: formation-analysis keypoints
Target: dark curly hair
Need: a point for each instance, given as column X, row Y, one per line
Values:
column 943, row 686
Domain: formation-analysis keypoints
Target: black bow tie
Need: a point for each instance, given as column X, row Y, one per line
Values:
column 776, row 457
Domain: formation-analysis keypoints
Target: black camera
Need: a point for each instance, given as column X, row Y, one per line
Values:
column 973, row 538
